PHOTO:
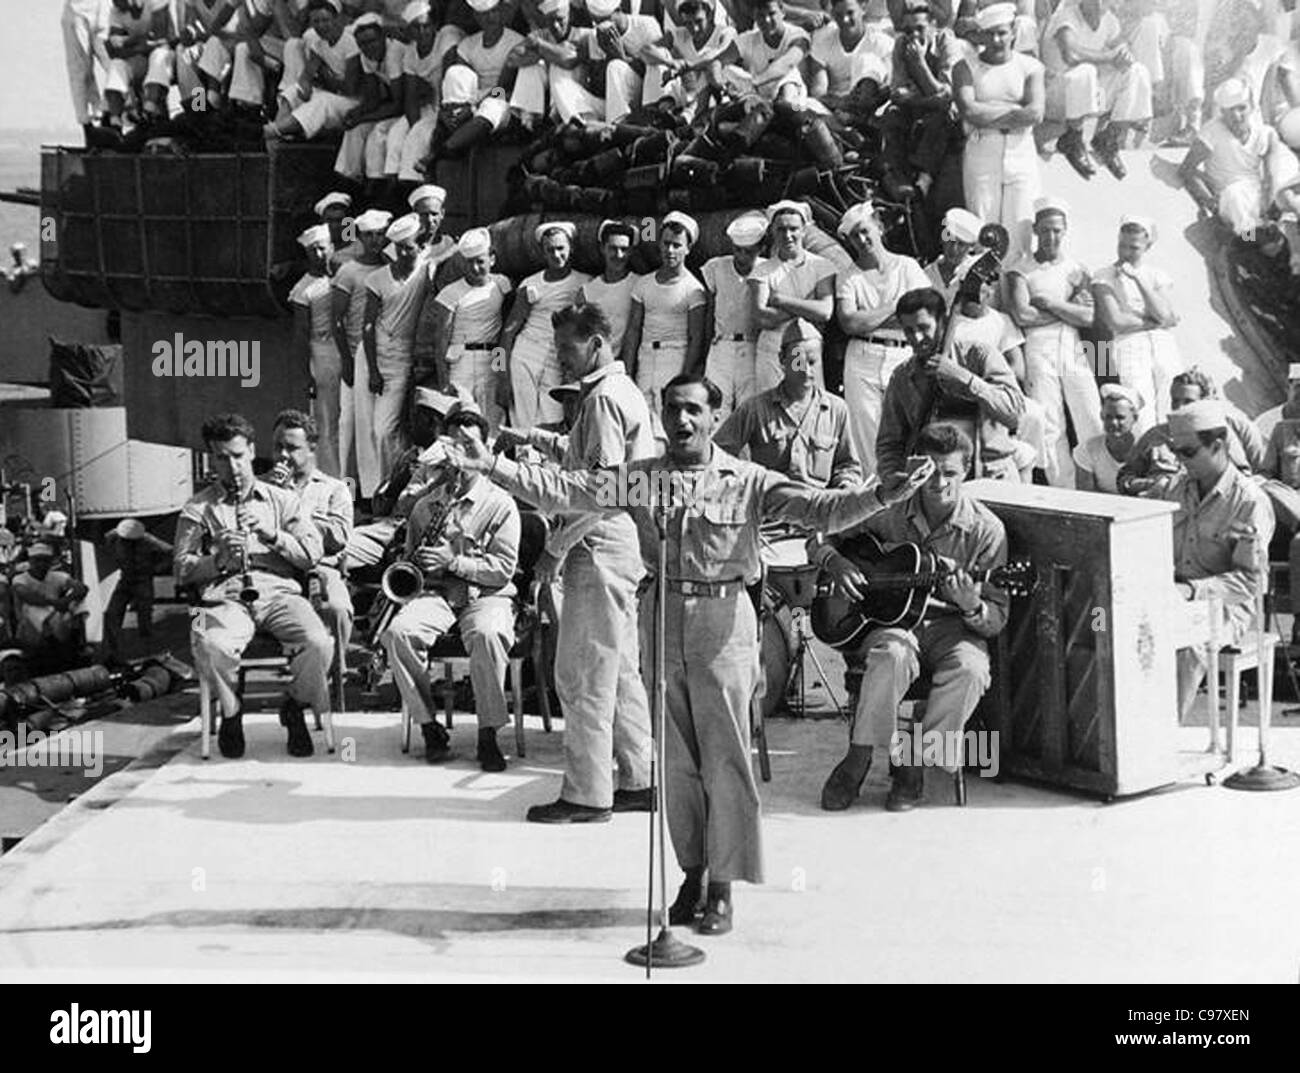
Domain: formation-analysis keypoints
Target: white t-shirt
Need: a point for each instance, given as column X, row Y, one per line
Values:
column 995, row 330
column 872, row 57
column 1070, row 16
column 350, row 279
column 1001, row 83
column 1065, row 281
column 798, row 278
column 642, row 30
column 313, row 292
column 666, row 306
column 400, row 302
column 476, row 311
column 488, row 63
column 1127, row 291
column 615, row 301
column 756, row 55
column 733, row 314
column 334, row 56
column 546, row 298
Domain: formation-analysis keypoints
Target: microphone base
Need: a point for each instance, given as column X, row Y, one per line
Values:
column 666, row 952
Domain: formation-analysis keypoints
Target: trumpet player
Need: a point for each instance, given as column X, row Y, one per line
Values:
column 244, row 543
column 328, row 505
column 463, row 538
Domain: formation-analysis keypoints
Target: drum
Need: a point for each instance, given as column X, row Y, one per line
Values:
column 777, row 650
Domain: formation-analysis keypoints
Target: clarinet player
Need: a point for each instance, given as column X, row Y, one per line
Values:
column 245, row 546
column 464, row 537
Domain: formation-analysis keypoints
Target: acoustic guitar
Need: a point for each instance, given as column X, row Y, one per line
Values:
column 899, row 584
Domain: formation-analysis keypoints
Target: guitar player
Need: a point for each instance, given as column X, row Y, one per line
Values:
column 950, row 641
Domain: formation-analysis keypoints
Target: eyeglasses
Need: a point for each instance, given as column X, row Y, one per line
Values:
column 1188, row 452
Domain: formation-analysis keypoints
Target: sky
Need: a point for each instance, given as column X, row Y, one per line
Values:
column 33, row 78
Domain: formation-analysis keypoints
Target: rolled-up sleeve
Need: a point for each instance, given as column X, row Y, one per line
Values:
column 192, row 565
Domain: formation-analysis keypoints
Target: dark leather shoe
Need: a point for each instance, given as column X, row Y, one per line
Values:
column 908, row 790
column 717, row 912
column 842, row 788
column 1070, row 144
column 489, row 752
column 1106, row 146
column 299, row 737
column 686, row 906
column 562, row 811
column 437, row 745
column 230, row 736
column 634, row 800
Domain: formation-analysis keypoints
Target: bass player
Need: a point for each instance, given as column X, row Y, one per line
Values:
column 950, row 641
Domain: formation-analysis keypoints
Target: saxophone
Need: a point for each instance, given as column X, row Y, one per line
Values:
column 403, row 581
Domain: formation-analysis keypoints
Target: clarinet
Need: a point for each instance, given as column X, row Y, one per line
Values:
column 279, row 476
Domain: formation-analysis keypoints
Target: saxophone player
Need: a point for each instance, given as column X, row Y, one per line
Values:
column 328, row 505
column 244, row 543
column 464, row 538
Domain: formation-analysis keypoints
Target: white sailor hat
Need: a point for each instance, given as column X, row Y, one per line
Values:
column 856, row 215
column 747, row 229
column 474, row 243
column 1118, row 391
column 542, row 230
column 368, row 19
column 18, row 247
column 995, row 15
column 437, row 401
column 1231, row 93
column 1201, row 416
column 961, row 225
column 427, row 192
column 1045, row 206
column 403, row 227
column 1143, row 222
column 483, row 5
column 553, row 7
column 313, row 235
column 602, row 9
column 800, row 207
column 129, row 529
column 335, row 198
column 460, row 85
column 686, row 223
column 416, row 11
column 605, row 225
column 373, row 220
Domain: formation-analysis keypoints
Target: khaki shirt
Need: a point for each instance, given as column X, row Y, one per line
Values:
column 815, row 450
column 481, row 530
column 1153, row 456
column 276, row 568
column 972, row 538
column 912, row 400
column 714, row 511
column 328, row 503
column 1221, row 539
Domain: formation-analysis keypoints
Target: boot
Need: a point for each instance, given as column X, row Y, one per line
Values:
column 1105, row 143
column 908, row 789
column 489, row 752
column 1070, row 144
column 845, row 782
column 686, row 905
column 717, row 910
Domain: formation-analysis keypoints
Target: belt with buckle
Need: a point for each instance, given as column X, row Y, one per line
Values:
column 476, row 346
column 887, row 340
column 719, row 590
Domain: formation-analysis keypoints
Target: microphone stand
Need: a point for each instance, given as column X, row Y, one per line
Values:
column 666, row 951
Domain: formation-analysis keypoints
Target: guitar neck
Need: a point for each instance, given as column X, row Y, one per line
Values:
column 917, row 581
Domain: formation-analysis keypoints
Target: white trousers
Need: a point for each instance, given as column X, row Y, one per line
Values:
column 569, row 99
column 153, row 70
column 408, row 145
column 655, row 366
column 80, row 46
column 731, row 365
column 1059, row 377
column 867, row 369
column 623, row 87
column 472, row 372
column 1086, row 90
column 364, row 150
column 1001, row 181
column 323, row 111
column 326, row 370
column 534, row 371
column 1147, row 362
